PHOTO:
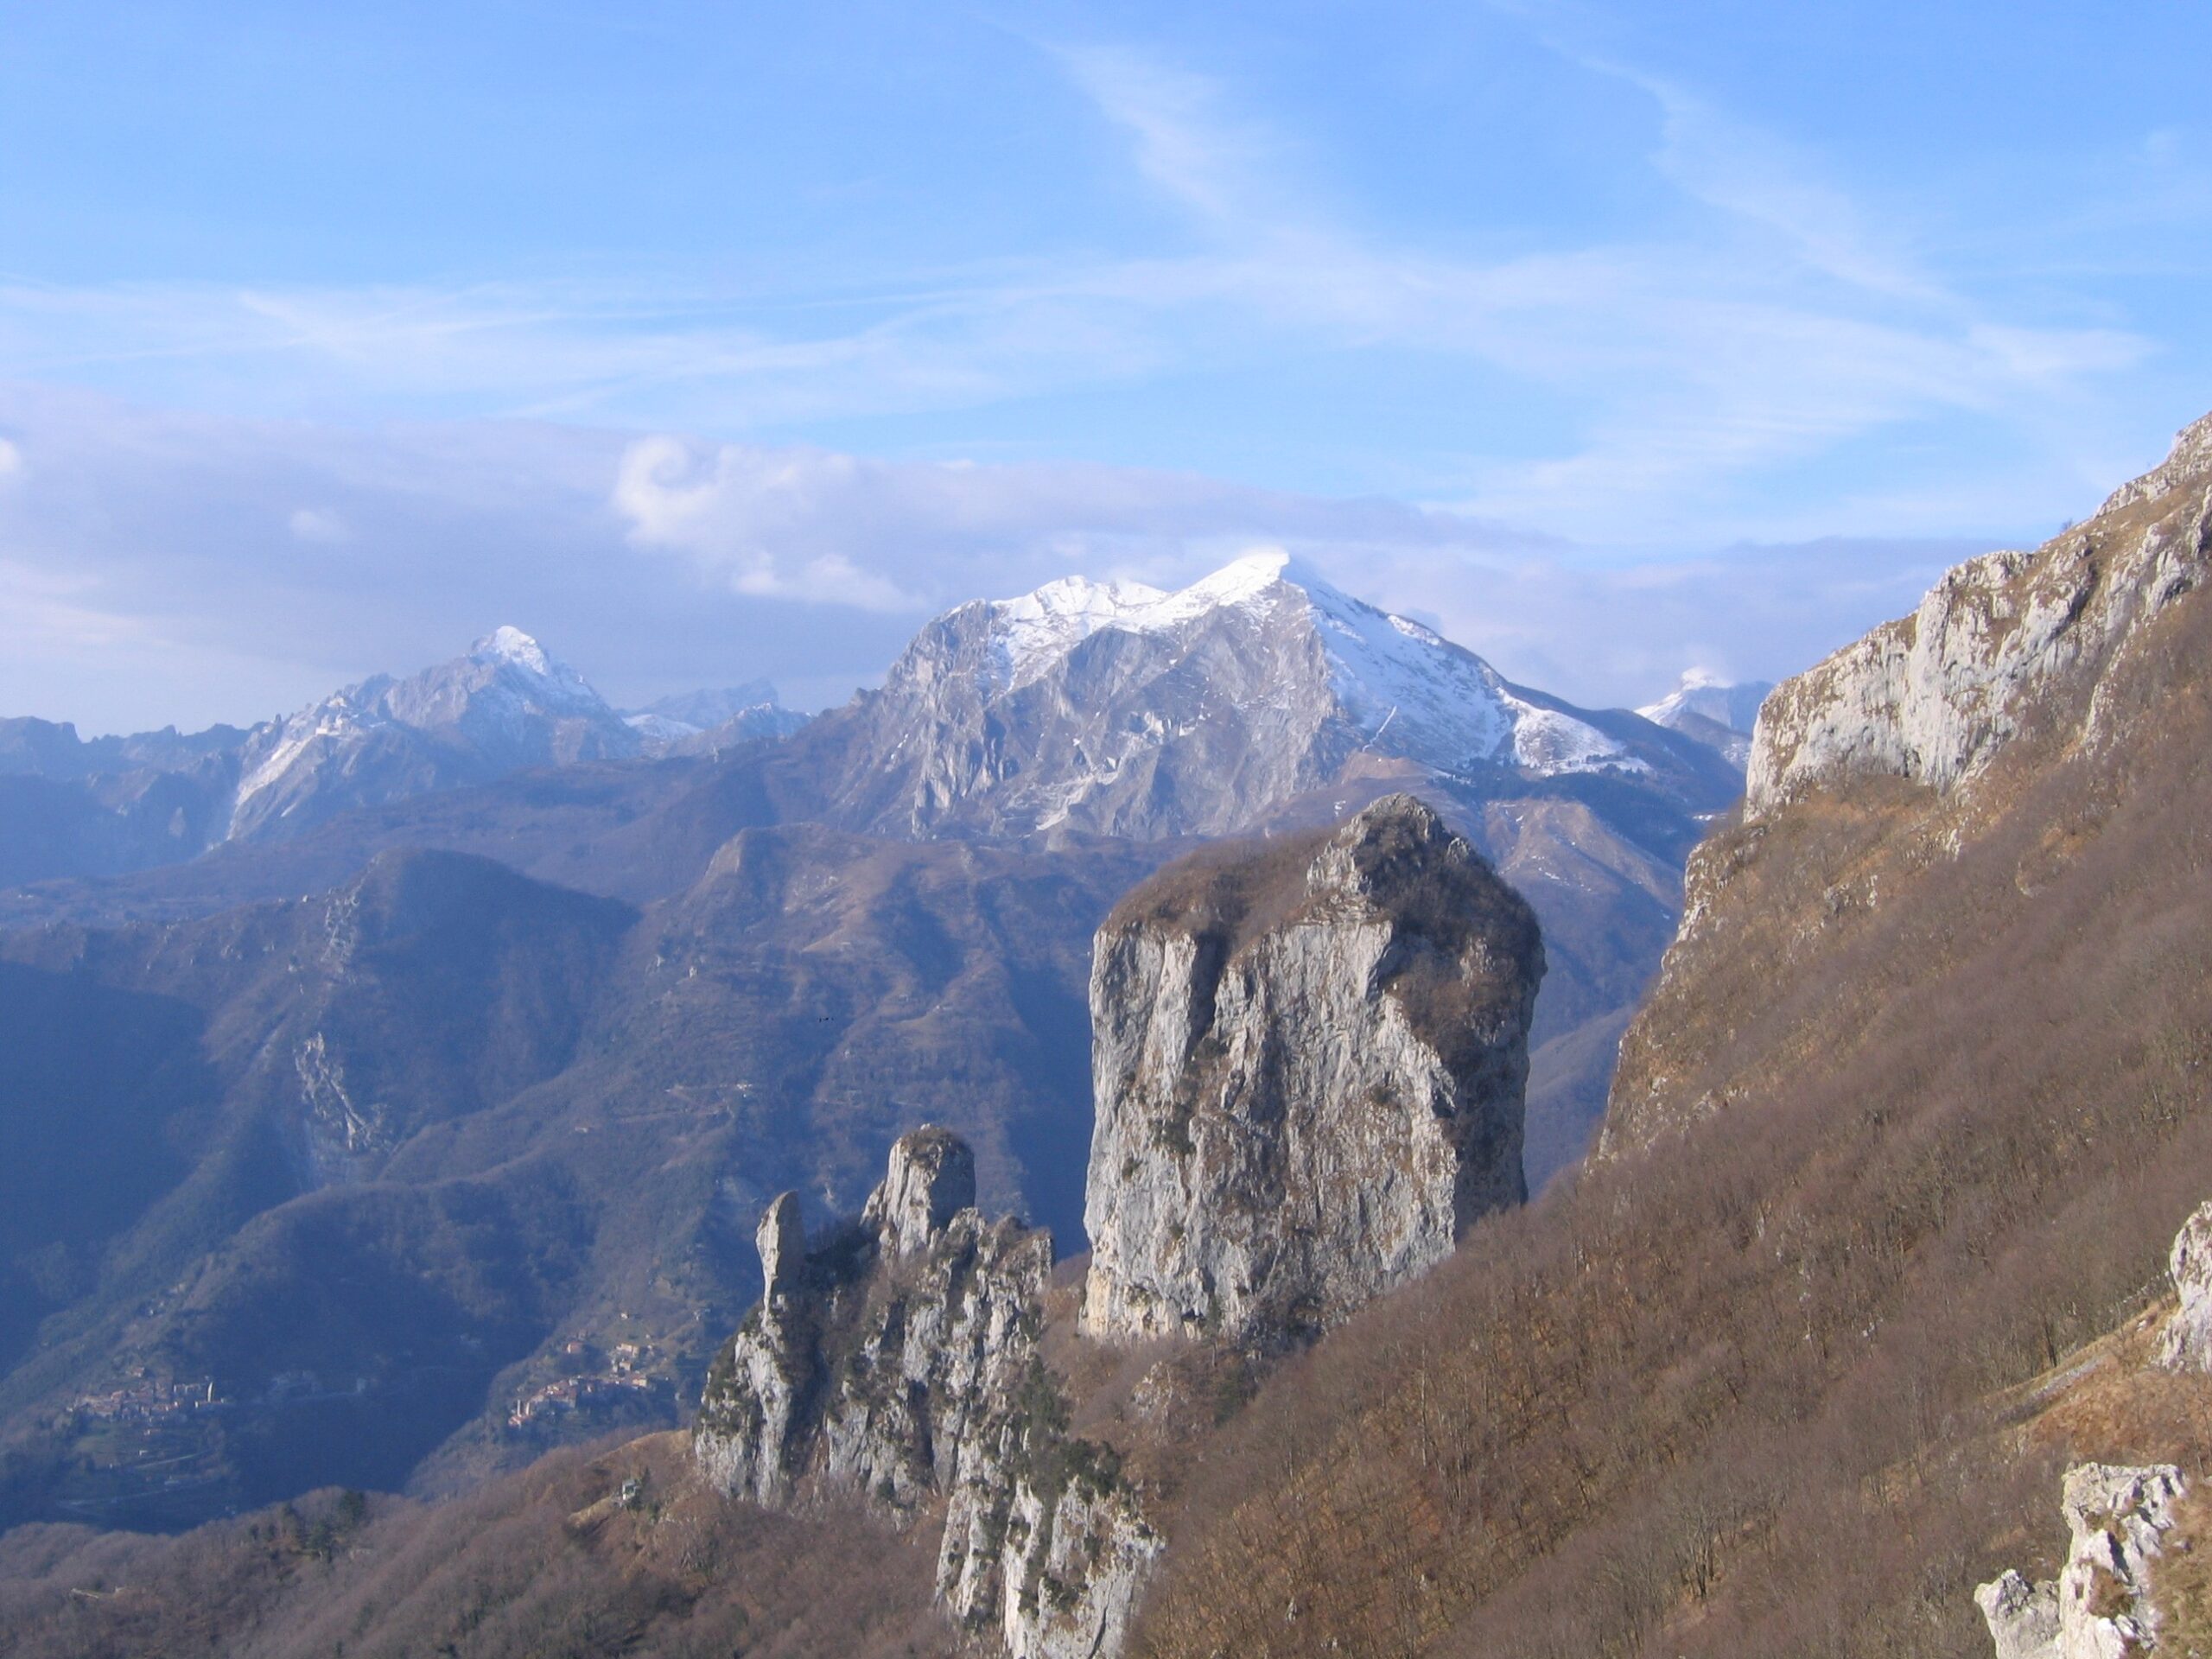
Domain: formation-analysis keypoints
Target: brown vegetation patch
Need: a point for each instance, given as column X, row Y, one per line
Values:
column 621, row 1550
column 2180, row 1581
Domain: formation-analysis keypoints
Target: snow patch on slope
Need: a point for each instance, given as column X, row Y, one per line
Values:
column 1548, row 741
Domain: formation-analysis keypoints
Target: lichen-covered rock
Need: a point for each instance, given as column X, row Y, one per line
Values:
column 2186, row 1343
column 1086, row 1552
column 2023, row 1617
column 1308, row 1063
column 2100, row 1607
column 1932, row 696
column 899, row 1359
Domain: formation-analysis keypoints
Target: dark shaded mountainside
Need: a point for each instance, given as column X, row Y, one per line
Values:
column 448, row 1141
column 457, row 1156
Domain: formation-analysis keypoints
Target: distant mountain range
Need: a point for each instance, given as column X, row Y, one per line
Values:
column 700, row 723
column 574, row 990
column 116, row 805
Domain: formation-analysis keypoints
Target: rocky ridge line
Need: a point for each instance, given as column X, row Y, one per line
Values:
column 2003, row 646
column 1932, row 696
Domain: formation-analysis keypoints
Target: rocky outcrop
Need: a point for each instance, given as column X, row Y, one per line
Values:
column 898, row 1359
column 2100, row 1606
column 2185, row 1345
column 1915, row 741
column 1308, row 1065
column 873, row 1356
column 932, row 1179
column 1932, row 696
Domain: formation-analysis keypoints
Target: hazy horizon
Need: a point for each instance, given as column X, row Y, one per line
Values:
column 712, row 346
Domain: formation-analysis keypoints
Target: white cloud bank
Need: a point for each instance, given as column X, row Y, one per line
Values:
column 152, row 571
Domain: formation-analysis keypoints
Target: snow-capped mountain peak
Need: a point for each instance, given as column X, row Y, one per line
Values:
column 1710, row 697
column 1410, row 692
column 1119, row 708
column 1711, row 710
column 506, row 704
column 520, row 668
column 512, row 644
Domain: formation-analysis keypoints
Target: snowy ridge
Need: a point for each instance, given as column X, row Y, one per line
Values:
column 1705, row 694
column 1033, row 633
column 1410, row 692
column 507, row 703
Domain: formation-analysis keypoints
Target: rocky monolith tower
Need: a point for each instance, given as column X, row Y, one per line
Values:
column 1309, row 1063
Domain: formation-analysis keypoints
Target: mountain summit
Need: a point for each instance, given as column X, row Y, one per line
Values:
column 505, row 705
column 1118, row 709
column 1716, row 712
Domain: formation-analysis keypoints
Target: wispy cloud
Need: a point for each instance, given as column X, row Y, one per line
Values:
column 1761, row 178
column 1784, row 322
column 1799, row 324
column 1184, row 139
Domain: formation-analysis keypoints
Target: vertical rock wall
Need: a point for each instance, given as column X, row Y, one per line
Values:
column 1309, row 1065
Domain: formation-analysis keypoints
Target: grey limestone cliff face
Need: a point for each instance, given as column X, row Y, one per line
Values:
column 1308, row 1065
column 2186, row 1343
column 869, row 1356
column 2029, row 655
column 1932, row 696
column 898, row 1359
column 2100, row 1606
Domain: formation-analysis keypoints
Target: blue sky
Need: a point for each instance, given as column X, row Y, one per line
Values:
column 710, row 341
